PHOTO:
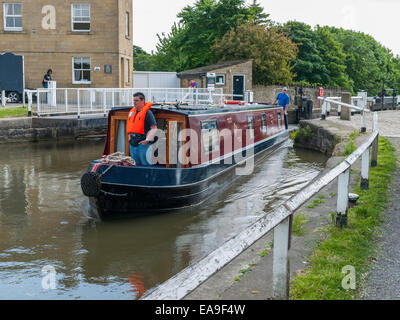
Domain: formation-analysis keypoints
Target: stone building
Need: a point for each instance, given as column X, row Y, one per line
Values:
column 235, row 77
column 86, row 43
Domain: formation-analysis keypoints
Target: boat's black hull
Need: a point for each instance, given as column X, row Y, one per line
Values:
column 121, row 199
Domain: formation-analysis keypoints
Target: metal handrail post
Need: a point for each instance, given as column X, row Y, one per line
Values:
column 323, row 111
column 66, row 100
column 29, row 103
column 78, row 102
column 365, row 170
column 105, row 102
column 342, row 198
column 281, row 270
column 38, row 101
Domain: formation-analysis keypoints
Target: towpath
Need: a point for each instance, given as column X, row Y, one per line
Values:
column 249, row 276
column 383, row 281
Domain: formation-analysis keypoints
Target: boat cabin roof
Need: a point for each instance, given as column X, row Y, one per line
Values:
column 190, row 110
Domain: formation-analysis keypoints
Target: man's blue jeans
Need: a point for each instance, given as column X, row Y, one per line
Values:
column 139, row 154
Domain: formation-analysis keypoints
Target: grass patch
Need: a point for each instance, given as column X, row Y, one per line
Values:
column 350, row 146
column 242, row 273
column 315, row 203
column 298, row 225
column 14, row 112
column 354, row 134
column 302, row 134
column 264, row 253
column 351, row 246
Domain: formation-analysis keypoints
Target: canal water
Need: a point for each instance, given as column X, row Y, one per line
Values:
column 52, row 247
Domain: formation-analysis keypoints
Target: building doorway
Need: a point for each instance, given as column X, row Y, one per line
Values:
column 238, row 87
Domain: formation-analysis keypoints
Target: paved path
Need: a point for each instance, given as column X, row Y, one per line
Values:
column 389, row 122
column 383, row 281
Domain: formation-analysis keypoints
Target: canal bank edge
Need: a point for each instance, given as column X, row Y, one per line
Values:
column 29, row 129
column 249, row 276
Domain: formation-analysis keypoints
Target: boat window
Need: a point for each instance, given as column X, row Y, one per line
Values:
column 210, row 136
column 250, row 126
column 162, row 125
column 174, row 129
column 263, row 123
column 279, row 119
column 121, row 136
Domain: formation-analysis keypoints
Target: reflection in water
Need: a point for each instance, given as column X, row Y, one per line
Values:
column 44, row 220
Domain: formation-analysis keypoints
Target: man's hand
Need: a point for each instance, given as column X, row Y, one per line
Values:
column 144, row 142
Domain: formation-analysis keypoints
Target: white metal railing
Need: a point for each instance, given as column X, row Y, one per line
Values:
column 279, row 220
column 361, row 101
column 3, row 98
column 82, row 101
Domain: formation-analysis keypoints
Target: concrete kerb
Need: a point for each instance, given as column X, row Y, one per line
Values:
column 256, row 283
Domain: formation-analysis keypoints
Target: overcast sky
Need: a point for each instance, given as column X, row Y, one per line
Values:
column 379, row 18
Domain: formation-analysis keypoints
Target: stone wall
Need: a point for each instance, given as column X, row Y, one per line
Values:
column 38, row 129
column 315, row 137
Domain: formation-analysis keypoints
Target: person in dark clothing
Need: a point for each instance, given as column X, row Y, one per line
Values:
column 47, row 78
column 45, row 83
column 283, row 100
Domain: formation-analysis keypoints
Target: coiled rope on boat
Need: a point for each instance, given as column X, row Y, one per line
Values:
column 91, row 181
column 118, row 158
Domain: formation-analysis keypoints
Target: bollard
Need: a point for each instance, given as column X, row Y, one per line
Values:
column 365, row 170
column 342, row 198
column 281, row 270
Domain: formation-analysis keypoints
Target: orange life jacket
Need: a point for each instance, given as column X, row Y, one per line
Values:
column 136, row 120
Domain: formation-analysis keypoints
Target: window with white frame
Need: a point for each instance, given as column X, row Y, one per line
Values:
column 250, row 126
column 81, row 70
column 80, row 13
column 127, row 24
column 12, row 16
column 220, row 79
column 210, row 136
column 263, row 123
column 279, row 119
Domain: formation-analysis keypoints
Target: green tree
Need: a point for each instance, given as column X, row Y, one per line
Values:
column 257, row 14
column 396, row 70
column 333, row 57
column 188, row 44
column 308, row 65
column 269, row 47
column 368, row 63
column 142, row 61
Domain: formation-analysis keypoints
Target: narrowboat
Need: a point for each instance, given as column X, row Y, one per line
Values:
column 199, row 150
